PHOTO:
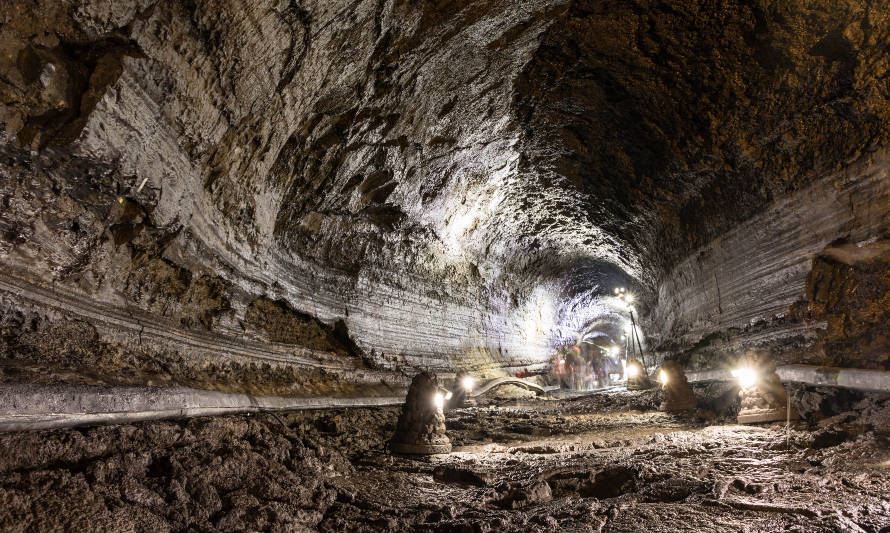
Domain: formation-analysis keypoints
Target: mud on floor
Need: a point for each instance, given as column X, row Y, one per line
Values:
column 602, row 463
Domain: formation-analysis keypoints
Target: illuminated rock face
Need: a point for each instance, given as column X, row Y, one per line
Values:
column 803, row 280
column 319, row 193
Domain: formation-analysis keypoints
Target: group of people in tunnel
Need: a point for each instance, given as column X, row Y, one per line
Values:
column 584, row 366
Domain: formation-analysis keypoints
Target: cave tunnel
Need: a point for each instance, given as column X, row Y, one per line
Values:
column 367, row 265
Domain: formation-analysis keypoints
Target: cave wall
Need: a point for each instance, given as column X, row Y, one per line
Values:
column 173, row 164
column 726, row 145
column 774, row 283
column 316, row 196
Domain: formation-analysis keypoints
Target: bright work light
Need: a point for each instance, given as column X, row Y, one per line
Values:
column 747, row 376
column 633, row 371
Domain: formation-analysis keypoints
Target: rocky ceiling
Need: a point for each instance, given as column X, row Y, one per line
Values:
column 310, row 197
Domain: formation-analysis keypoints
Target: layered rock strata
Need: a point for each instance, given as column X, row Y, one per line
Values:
column 786, row 281
column 320, row 197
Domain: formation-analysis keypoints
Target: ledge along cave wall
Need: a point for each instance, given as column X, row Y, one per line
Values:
column 337, row 194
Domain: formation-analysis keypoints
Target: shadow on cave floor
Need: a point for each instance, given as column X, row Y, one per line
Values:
column 606, row 462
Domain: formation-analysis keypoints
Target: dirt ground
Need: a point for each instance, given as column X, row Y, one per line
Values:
column 607, row 462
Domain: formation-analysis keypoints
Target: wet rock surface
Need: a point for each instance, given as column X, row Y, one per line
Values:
column 607, row 462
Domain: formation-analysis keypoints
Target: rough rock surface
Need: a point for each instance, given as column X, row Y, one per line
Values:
column 678, row 395
column 748, row 289
column 421, row 426
column 608, row 462
column 849, row 288
column 453, row 184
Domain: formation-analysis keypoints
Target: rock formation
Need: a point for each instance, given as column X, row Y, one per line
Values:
column 637, row 378
column 421, row 427
column 763, row 396
column 848, row 287
column 678, row 395
column 241, row 206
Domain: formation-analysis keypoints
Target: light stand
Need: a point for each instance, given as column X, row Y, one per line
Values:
column 621, row 293
column 633, row 325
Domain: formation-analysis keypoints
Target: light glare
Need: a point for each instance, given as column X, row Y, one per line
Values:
column 663, row 377
column 439, row 401
column 633, row 371
column 747, row 376
column 468, row 383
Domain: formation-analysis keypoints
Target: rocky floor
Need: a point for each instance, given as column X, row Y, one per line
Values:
column 607, row 462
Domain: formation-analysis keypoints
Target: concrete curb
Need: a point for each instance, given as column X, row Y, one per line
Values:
column 29, row 407
column 708, row 375
column 848, row 378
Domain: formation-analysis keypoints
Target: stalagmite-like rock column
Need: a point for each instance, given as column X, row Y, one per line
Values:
column 763, row 397
column 421, row 428
column 678, row 395
column 637, row 378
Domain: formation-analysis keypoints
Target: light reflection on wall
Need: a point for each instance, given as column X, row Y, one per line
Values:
column 536, row 321
column 454, row 233
column 457, row 234
column 593, row 310
column 525, row 279
column 537, row 316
